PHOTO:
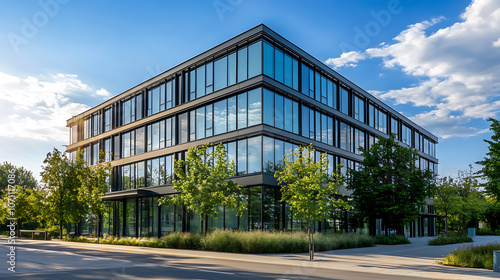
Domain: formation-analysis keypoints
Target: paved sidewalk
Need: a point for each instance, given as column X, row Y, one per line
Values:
column 416, row 259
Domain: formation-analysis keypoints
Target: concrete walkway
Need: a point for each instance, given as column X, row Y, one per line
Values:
column 416, row 259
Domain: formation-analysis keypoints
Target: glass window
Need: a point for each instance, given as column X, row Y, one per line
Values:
column 268, row 60
column 242, row 64
column 169, row 95
column 220, row 117
column 231, row 66
column 324, row 129
column 254, row 154
column 192, row 125
column 288, row 115
column 295, row 117
column 231, row 113
column 200, row 81
column 209, row 71
column 183, row 125
column 126, row 112
column 140, row 174
column 168, row 132
column 231, row 153
column 305, row 121
column 295, row 74
column 279, row 152
column 169, row 169
column 255, row 107
column 382, row 121
column 126, row 145
column 394, row 127
column 324, row 91
column 209, row 121
column 242, row 157
column 242, row 110
column 288, row 78
column 359, row 109
column 317, row 79
column 344, row 136
column 200, row 123
column 318, row 126
column 278, row 66
column 192, row 85
column 116, row 147
column 220, row 73
column 305, row 79
column 268, row 154
column 155, row 136
column 371, row 115
column 344, row 101
column 107, row 120
column 162, row 97
column 255, row 59
column 278, row 111
column 330, row 131
column 156, row 100
column 268, row 107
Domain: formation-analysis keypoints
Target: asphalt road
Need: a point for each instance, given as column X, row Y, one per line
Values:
column 45, row 260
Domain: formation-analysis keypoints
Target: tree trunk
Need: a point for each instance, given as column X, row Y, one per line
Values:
column 98, row 229
column 310, row 243
column 372, row 226
column 205, row 225
column 60, row 230
column 446, row 225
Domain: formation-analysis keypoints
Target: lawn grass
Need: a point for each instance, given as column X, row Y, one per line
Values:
column 256, row 242
column 443, row 240
column 472, row 256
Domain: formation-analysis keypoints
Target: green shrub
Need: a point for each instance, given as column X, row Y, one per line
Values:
column 472, row 256
column 443, row 240
column 485, row 231
column 391, row 239
column 256, row 242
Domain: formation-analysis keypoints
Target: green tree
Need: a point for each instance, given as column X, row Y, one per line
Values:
column 446, row 199
column 491, row 162
column 307, row 187
column 389, row 186
column 492, row 213
column 61, row 189
column 94, row 180
column 202, row 183
column 27, row 206
column 470, row 208
column 23, row 177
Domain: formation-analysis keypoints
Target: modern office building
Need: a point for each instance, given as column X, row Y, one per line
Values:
column 259, row 95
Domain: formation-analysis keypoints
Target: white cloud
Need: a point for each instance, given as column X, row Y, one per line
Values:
column 458, row 67
column 446, row 125
column 496, row 43
column 348, row 59
column 103, row 92
column 37, row 108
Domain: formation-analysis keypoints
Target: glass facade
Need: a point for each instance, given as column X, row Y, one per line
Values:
column 308, row 103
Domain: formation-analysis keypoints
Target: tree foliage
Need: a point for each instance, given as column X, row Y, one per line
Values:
column 308, row 188
column 23, row 177
column 201, row 180
column 389, row 186
column 94, row 180
column 62, row 186
column 491, row 162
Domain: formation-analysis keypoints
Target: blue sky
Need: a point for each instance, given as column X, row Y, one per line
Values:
column 437, row 62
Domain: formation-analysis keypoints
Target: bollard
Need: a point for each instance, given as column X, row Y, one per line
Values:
column 496, row 261
column 472, row 232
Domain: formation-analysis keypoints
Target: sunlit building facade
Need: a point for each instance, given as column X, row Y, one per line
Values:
column 259, row 95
